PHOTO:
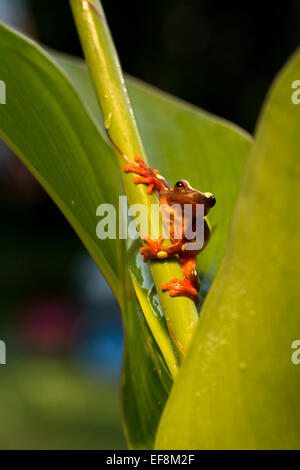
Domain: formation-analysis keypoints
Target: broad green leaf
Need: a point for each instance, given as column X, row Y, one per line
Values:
column 146, row 382
column 47, row 126
column 238, row 387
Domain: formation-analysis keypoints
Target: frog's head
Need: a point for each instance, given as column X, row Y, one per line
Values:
column 183, row 193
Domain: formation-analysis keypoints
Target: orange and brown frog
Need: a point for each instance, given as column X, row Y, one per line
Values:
column 181, row 194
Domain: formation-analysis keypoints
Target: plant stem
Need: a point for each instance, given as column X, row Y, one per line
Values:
column 180, row 312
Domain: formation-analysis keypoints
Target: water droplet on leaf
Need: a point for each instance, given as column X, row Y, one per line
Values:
column 107, row 121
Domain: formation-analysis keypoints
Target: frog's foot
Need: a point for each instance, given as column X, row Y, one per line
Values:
column 182, row 287
column 156, row 250
column 147, row 175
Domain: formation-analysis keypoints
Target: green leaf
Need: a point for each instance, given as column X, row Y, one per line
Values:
column 238, row 388
column 146, row 381
column 47, row 126
column 149, row 302
column 120, row 122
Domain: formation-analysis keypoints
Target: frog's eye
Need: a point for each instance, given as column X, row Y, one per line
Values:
column 180, row 184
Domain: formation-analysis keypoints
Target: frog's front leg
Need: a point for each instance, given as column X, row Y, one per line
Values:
column 147, row 176
column 190, row 285
column 156, row 250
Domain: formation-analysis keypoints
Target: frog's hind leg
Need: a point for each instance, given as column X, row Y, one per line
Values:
column 190, row 285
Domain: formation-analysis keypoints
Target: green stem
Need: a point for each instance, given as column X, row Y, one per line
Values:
column 180, row 312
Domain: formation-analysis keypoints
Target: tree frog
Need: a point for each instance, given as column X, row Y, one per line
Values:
column 181, row 193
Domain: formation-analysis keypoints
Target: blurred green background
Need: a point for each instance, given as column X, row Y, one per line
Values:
column 60, row 322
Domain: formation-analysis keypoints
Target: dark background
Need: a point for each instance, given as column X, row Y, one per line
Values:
column 219, row 55
column 59, row 388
